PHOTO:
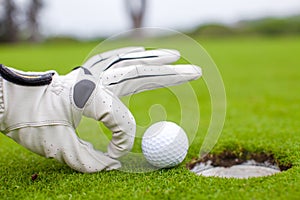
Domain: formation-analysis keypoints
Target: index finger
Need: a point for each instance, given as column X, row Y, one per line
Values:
column 105, row 55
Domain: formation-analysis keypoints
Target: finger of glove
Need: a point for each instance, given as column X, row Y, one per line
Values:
column 134, row 79
column 100, row 57
column 62, row 144
column 124, row 50
column 150, row 57
column 108, row 109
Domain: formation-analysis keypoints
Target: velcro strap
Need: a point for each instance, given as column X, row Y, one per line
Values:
column 25, row 78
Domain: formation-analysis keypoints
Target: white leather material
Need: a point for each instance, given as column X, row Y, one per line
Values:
column 43, row 119
column 37, row 105
column 137, row 78
column 61, row 143
column 107, row 108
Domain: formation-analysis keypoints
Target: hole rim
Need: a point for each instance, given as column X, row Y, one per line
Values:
column 229, row 158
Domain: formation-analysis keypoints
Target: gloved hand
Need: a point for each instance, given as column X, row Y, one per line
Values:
column 42, row 110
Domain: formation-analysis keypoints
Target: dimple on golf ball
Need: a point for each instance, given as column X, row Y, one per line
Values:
column 165, row 144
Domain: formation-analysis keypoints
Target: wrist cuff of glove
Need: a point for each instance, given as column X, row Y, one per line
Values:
column 25, row 78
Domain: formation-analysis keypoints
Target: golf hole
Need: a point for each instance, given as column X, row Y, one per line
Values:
column 239, row 165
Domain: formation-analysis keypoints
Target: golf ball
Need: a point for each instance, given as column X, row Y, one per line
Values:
column 165, row 144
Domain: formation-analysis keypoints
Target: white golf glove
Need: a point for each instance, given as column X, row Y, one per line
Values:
column 42, row 110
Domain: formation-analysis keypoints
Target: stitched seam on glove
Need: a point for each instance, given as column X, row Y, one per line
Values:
column 37, row 124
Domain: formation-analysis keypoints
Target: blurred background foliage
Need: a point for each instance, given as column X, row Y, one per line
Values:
column 19, row 24
column 270, row 26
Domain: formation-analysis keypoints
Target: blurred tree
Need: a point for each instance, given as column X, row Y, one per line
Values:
column 19, row 22
column 32, row 19
column 136, row 11
column 8, row 25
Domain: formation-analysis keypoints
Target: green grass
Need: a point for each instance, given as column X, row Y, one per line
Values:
column 261, row 77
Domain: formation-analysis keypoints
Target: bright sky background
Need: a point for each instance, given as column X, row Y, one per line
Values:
column 92, row 18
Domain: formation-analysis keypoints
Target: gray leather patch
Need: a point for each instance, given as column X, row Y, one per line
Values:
column 86, row 71
column 82, row 92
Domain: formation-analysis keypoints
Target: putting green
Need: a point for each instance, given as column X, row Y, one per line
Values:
column 261, row 77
